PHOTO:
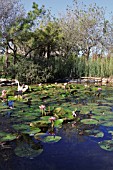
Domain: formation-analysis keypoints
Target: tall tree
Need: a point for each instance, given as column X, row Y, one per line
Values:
column 10, row 11
column 83, row 27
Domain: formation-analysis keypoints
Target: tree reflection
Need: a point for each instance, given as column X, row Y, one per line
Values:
column 27, row 147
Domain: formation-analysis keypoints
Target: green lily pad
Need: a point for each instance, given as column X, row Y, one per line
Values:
column 99, row 134
column 95, row 133
column 2, row 134
column 32, row 131
column 58, row 122
column 8, row 137
column 108, row 123
column 27, row 118
column 51, row 139
column 84, row 110
column 40, row 135
column 39, row 123
column 20, row 127
column 89, row 121
column 45, row 118
column 59, row 111
column 106, row 145
column 69, row 116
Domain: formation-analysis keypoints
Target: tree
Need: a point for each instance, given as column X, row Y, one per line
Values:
column 83, row 28
column 10, row 11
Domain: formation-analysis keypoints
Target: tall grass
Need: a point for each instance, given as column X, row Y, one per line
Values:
column 59, row 68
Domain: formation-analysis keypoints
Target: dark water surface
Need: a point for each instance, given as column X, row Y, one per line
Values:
column 72, row 152
column 75, row 150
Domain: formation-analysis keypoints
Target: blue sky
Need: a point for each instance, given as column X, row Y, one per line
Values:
column 59, row 6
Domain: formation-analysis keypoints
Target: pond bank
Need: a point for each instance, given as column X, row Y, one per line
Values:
column 95, row 80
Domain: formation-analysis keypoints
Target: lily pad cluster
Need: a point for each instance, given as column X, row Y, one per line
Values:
column 92, row 108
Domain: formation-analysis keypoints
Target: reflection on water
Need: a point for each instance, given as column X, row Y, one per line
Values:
column 75, row 151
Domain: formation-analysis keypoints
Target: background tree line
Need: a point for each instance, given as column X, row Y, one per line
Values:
column 37, row 47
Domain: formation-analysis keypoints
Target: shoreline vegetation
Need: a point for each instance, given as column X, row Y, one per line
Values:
column 39, row 48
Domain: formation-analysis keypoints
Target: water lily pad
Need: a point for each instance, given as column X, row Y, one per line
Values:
column 45, row 118
column 84, row 110
column 20, row 127
column 32, row 131
column 40, row 135
column 108, row 123
column 2, row 134
column 59, row 111
column 8, row 137
column 28, row 118
column 106, row 145
column 51, row 139
column 99, row 134
column 94, row 133
column 58, row 122
column 40, row 123
column 89, row 121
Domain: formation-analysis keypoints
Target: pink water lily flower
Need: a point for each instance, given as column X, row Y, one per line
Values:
column 42, row 107
column 4, row 94
column 52, row 118
column 99, row 89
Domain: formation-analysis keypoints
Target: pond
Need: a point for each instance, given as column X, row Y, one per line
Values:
column 57, row 126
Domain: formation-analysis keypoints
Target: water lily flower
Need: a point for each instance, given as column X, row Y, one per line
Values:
column 74, row 114
column 86, row 86
column 65, row 84
column 74, row 124
column 99, row 89
column 3, row 93
column 42, row 108
column 52, row 119
column 40, row 84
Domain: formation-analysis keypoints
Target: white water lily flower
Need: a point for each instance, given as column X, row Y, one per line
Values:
column 74, row 114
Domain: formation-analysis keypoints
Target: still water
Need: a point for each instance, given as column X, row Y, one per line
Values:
column 76, row 150
column 73, row 152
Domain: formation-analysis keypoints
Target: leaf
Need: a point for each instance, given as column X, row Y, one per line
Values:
column 8, row 137
column 58, row 122
column 106, row 145
column 51, row 139
column 89, row 121
column 21, row 127
column 108, row 123
column 32, row 131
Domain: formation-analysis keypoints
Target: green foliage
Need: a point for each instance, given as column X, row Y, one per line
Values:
column 45, row 49
column 30, row 71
